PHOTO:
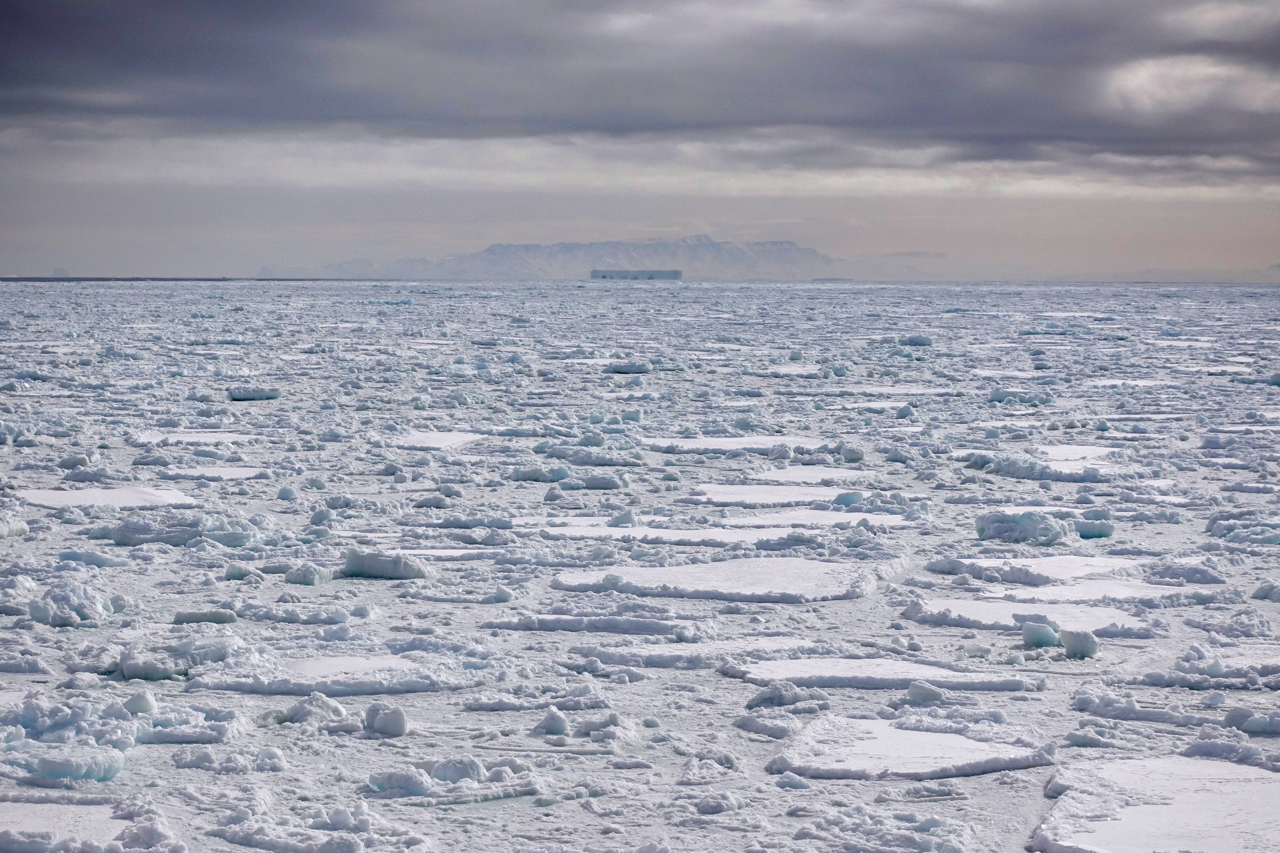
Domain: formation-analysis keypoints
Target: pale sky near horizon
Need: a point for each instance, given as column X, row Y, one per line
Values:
column 163, row 137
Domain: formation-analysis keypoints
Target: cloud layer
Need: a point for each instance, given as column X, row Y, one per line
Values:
column 985, row 79
column 720, row 97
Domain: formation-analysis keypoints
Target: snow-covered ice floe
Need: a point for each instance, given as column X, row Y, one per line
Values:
column 751, row 496
column 1036, row 571
column 1001, row 615
column 784, row 579
column 342, row 675
column 124, row 497
column 875, row 674
column 1160, row 803
column 834, row 747
column 421, row 440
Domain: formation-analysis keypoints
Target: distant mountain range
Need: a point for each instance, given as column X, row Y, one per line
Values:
column 703, row 258
column 698, row 257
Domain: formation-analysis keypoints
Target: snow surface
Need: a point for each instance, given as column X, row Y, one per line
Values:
column 638, row 566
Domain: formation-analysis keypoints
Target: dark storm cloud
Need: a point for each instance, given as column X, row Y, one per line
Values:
column 987, row 80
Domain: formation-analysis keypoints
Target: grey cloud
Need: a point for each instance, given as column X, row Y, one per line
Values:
column 991, row 81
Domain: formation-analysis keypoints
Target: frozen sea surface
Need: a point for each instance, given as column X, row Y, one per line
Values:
column 638, row 566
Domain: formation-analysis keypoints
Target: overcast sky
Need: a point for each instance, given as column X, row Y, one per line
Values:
column 1065, row 136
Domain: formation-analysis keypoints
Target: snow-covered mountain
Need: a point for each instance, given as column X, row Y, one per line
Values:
column 702, row 258
column 698, row 257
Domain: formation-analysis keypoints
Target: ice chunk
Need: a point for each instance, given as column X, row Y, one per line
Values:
column 385, row 719
column 246, row 393
column 1031, row 526
column 1038, row 635
column 217, row 617
column 308, row 574
column 1079, row 644
column 375, row 564
column 92, row 763
column 67, row 604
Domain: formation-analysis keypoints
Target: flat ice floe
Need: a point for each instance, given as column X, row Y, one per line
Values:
column 209, row 436
column 337, row 665
column 815, row 518
column 841, row 748
column 1009, row 615
column 420, row 440
column 1038, row 571
column 749, row 443
column 877, row 674
column 340, row 675
column 125, row 497
column 216, row 473
column 751, row 496
column 1093, row 590
column 1075, row 458
column 1161, row 803
column 783, row 579
column 807, row 474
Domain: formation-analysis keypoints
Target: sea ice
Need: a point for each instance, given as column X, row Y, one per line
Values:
column 876, row 674
column 785, row 579
column 841, row 748
column 1160, row 803
column 124, row 497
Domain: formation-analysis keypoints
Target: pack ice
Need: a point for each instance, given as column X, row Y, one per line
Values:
column 638, row 566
